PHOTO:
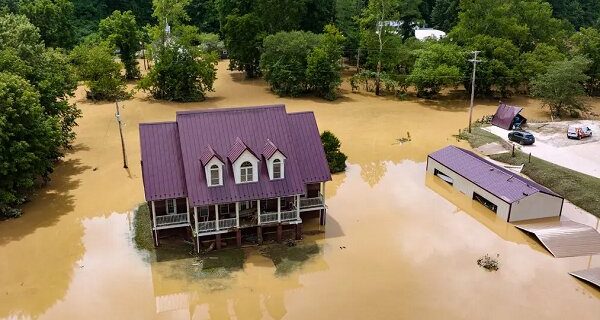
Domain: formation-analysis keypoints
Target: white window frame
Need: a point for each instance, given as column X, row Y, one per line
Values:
column 236, row 166
column 277, row 166
column 215, row 174
column 271, row 165
column 246, row 172
column 173, row 202
column 208, row 172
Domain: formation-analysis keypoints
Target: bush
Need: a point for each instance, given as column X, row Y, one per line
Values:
column 181, row 74
column 335, row 158
column 95, row 65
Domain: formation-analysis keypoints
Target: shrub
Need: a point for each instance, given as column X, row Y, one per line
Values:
column 335, row 158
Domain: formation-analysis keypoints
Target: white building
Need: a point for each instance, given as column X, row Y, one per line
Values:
column 509, row 195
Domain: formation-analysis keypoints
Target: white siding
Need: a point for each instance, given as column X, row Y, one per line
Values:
column 535, row 206
column 467, row 187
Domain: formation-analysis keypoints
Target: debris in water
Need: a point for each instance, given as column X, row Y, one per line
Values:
column 403, row 139
column 95, row 168
column 489, row 263
column 290, row 243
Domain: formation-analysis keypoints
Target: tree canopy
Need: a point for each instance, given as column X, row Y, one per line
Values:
column 122, row 32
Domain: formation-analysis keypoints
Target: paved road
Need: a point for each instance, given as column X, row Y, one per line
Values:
column 552, row 145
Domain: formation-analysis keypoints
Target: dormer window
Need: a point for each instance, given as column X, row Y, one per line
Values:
column 215, row 177
column 246, row 172
column 277, row 166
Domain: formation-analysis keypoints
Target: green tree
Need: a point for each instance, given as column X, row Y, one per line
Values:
column 284, row 61
column 346, row 19
column 317, row 14
column 437, row 65
column 536, row 62
column 445, row 14
column 323, row 71
column 55, row 20
column 243, row 38
column 561, row 87
column 96, row 66
column 587, row 43
column 204, row 15
column 335, row 158
column 122, row 32
column 28, row 141
column 379, row 34
column 181, row 74
column 23, row 53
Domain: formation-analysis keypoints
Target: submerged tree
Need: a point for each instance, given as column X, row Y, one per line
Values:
column 243, row 38
column 437, row 65
column 29, row 141
column 335, row 158
column 561, row 87
column 121, row 30
column 181, row 74
column 96, row 66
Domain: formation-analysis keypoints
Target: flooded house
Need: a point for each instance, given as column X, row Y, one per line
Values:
column 235, row 174
column 509, row 195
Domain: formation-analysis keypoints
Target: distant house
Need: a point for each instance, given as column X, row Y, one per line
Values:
column 508, row 117
column 428, row 33
column 504, row 192
column 237, row 173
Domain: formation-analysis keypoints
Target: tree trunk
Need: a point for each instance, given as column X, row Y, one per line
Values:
column 377, row 78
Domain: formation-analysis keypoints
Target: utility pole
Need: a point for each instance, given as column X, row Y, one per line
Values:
column 474, row 61
column 118, row 116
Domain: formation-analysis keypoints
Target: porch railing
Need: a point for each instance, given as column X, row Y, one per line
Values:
column 311, row 202
column 171, row 219
column 268, row 217
column 207, row 226
column 227, row 223
column 289, row 215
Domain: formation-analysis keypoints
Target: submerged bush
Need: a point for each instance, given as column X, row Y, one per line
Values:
column 335, row 158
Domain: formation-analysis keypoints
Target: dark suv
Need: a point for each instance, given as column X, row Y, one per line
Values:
column 521, row 137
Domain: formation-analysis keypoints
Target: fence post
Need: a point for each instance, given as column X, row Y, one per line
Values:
column 513, row 150
column 529, row 157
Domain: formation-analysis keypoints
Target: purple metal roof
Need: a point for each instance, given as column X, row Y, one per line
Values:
column 207, row 154
column 295, row 135
column 503, row 183
column 308, row 148
column 269, row 149
column 162, row 165
column 504, row 115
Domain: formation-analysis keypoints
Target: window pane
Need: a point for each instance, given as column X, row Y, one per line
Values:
column 276, row 170
column 214, row 176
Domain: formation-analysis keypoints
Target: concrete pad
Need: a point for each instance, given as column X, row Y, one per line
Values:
column 491, row 148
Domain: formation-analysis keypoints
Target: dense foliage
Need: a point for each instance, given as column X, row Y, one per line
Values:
column 122, row 32
column 438, row 65
column 335, row 158
column 54, row 18
column 29, row 141
column 561, row 86
column 96, row 66
column 297, row 62
column 181, row 74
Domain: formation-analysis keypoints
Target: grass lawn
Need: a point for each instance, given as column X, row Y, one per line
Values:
column 580, row 189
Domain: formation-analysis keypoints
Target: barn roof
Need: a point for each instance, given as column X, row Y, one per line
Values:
column 227, row 133
column 504, row 115
column 503, row 183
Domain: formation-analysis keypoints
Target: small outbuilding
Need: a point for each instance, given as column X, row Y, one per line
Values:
column 508, row 117
column 509, row 195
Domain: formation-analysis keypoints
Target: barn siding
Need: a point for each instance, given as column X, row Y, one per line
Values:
column 535, row 206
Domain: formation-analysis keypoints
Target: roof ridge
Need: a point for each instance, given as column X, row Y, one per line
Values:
column 502, row 170
column 229, row 109
column 157, row 123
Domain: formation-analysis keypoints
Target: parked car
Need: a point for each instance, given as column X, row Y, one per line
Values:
column 578, row 132
column 521, row 137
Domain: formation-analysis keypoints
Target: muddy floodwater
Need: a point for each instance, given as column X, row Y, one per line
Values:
column 398, row 244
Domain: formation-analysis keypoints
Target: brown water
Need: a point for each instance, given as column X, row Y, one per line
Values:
column 410, row 241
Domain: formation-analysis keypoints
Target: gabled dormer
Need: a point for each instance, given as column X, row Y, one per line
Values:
column 275, row 161
column 213, row 167
column 244, row 162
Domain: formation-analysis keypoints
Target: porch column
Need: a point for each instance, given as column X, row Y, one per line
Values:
column 187, row 205
column 154, row 224
column 217, row 216
column 278, row 209
column 323, row 193
column 297, row 207
column 237, row 214
column 196, row 225
column 258, row 210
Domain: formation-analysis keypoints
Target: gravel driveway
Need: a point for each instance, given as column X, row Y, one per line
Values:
column 552, row 144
